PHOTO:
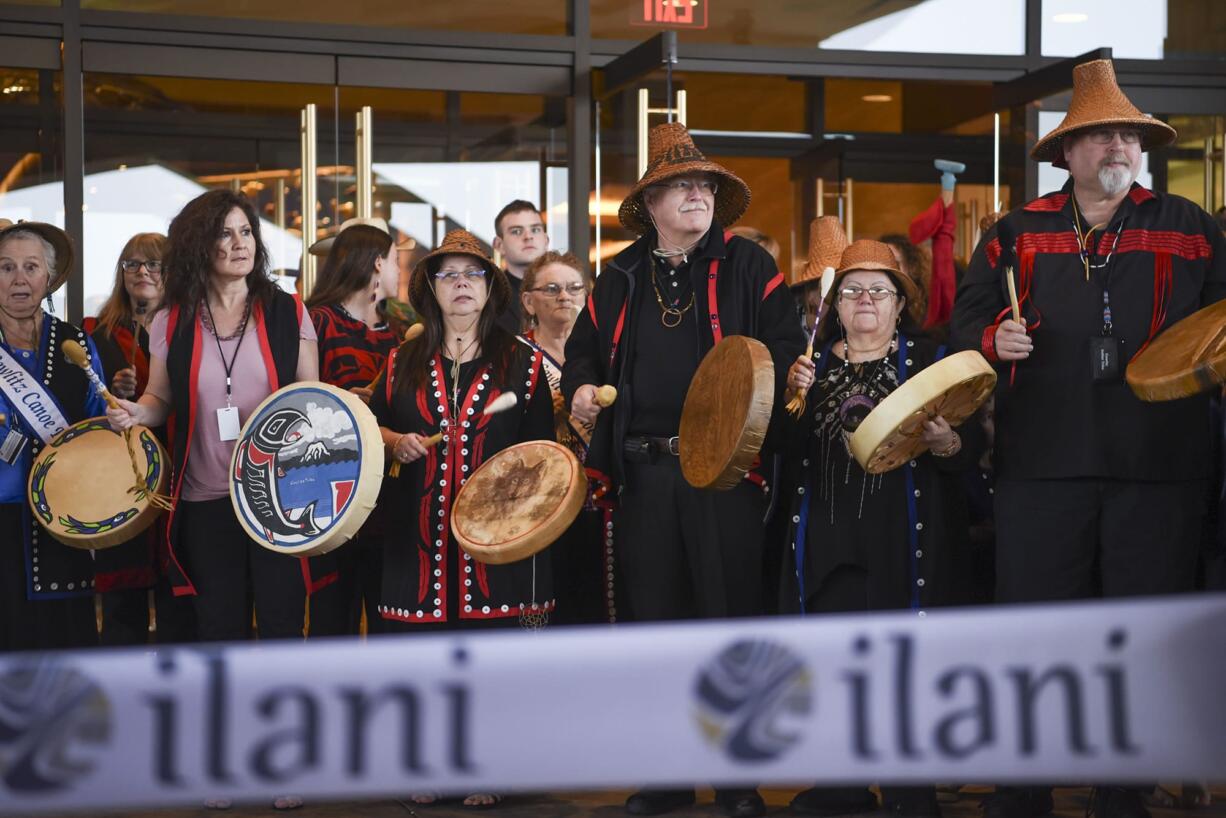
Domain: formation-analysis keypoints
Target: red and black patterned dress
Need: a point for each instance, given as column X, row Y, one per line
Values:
column 350, row 354
column 429, row 582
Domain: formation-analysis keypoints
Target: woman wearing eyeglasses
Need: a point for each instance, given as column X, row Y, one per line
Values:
column 863, row 542
column 125, row 573
column 442, row 381
column 555, row 289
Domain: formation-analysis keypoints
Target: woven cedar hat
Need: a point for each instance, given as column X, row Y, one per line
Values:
column 321, row 247
column 866, row 254
column 56, row 237
column 459, row 242
column 1098, row 102
column 671, row 152
column 827, row 241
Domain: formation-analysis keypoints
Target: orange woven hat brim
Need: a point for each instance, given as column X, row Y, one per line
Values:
column 1098, row 102
column 827, row 241
column 673, row 153
column 866, row 254
column 463, row 243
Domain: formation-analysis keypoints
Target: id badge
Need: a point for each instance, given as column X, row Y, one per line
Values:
column 228, row 426
column 12, row 446
column 1104, row 358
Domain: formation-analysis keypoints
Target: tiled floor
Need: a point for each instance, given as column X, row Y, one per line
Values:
column 1070, row 803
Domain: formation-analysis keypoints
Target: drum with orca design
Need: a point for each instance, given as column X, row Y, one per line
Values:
column 91, row 487
column 306, row 469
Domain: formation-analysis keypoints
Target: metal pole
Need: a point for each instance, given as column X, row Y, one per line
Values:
column 1209, row 173
column 363, row 141
column 642, row 132
column 996, row 165
column 850, row 224
column 681, row 107
column 596, row 183
column 821, row 197
column 309, row 224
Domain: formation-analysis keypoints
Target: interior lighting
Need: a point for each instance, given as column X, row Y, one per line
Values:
column 877, row 98
column 1070, row 17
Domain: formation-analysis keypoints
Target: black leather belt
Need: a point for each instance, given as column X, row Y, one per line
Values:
column 643, row 449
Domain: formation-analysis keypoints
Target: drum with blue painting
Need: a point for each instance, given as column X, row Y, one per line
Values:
column 306, row 469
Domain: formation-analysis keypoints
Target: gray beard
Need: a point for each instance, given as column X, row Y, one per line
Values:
column 1115, row 179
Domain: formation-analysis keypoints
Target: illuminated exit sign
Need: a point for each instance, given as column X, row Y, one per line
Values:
column 669, row 13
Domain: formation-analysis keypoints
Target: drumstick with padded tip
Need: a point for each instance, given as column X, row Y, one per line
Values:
column 503, row 402
column 605, row 396
column 413, row 332
column 76, row 353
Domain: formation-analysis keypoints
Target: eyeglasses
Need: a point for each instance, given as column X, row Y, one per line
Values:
column 133, row 265
column 575, row 288
column 1105, row 136
column 687, row 186
column 471, row 275
column 875, row 293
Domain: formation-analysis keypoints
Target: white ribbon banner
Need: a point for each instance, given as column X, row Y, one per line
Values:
column 1092, row 692
column 30, row 398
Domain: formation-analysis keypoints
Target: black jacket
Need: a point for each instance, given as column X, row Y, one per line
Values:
column 750, row 298
column 1167, row 259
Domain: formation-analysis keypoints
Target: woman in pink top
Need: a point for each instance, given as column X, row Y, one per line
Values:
column 225, row 340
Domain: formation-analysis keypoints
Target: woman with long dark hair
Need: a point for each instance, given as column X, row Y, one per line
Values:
column 225, row 340
column 125, row 573
column 354, row 342
column 441, row 381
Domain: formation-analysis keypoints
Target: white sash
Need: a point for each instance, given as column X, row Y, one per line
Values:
column 30, row 398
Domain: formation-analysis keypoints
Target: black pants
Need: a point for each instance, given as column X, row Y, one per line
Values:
column 1077, row 539
column 230, row 570
column 42, row 624
column 336, row 609
column 684, row 553
column 125, row 616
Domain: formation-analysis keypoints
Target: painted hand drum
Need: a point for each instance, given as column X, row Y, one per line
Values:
column 84, row 489
column 727, row 410
column 1186, row 359
column 306, row 469
column 518, row 502
column 952, row 388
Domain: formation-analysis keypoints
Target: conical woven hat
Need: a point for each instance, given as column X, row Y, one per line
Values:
column 54, row 236
column 866, row 254
column 459, row 242
column 827, row 241
column 1098, row 102
column 671, row 152
column 321, row 247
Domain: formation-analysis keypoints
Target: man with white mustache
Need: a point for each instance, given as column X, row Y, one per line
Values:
column 1098, row 493
column 658, row 307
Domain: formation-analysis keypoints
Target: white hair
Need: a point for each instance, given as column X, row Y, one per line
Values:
column 48, row 248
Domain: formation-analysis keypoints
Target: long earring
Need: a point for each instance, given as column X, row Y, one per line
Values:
column 50, row 304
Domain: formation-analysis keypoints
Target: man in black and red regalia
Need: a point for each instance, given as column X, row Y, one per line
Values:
column 659, row 306
column 1098, row 493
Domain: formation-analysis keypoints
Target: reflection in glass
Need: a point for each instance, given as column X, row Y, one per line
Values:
column 1135, row 29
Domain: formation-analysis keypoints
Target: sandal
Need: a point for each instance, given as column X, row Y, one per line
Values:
column 495, row 800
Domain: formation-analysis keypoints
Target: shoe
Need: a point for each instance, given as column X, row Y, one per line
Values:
column 1117, row 802
column 287, row 802
column 496, row 799
column 740, row 803
column 918, row 805
column 1017, row 802
column 832, row 801
column 658, row 802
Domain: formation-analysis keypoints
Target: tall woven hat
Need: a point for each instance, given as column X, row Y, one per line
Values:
column 459, row 242
column 866, row 254
column 827, row 241
column 54, row 236
column 671, row 152
column 1098, row 102
column 321, row 247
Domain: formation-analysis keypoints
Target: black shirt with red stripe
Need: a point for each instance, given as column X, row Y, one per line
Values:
column 350, row 352
column 1160, row 258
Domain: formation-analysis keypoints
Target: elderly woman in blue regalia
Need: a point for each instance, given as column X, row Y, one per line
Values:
column 46, row 588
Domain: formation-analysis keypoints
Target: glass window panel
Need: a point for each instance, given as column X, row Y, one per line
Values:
column 1135, row 29
column 520, row 17
column 31, row 151
column 924, row 26
column 154, row 143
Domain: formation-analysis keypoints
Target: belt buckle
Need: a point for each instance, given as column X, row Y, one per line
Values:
column 674, row 447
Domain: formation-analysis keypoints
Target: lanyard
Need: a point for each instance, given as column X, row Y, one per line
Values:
column 242, row 331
